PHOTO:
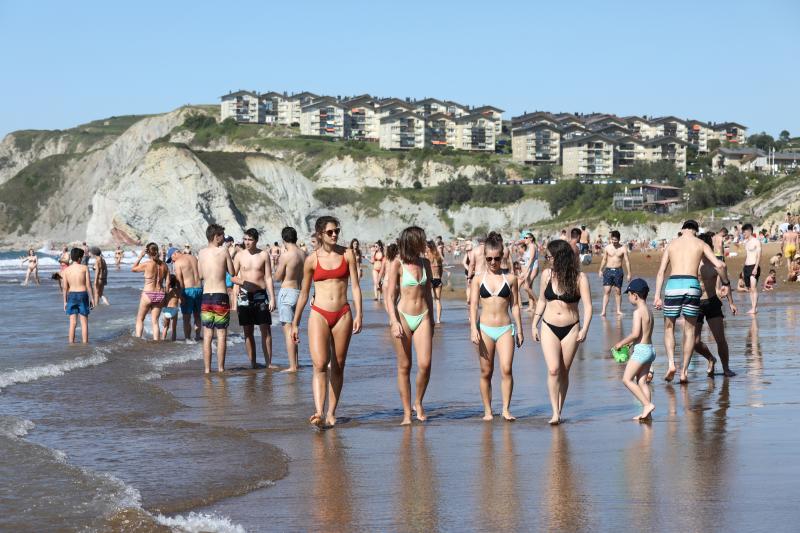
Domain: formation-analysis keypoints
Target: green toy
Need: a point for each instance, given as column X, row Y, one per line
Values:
column 621, row 355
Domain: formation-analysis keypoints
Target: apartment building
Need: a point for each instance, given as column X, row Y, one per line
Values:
column 429, row 106
column 699, row 133
column 290, row 107
column 640, row 127
column 475, row 132
column 628, row 150
column 536, row 144
column 440, row 131
column 391, row 106
column 670, row 127
column 744, row 159
column 362, row 116
column 242, row 106
column 455, row 109
column 494, row 113
column 590, row 156
column 669, row 149
column 402, row 131
column 326, row 117
column 529, row 119
column 729, row 132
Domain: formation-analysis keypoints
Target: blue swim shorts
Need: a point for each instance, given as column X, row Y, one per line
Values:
column 192, row 298
column 78, row 303
column 682, row 296
column 613, row 277
column 643, row 354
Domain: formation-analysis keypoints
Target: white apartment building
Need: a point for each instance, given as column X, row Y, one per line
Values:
column 362, row 116
column 494, row 113
column 536, row 144
column 242, row 106
column 669, row 149
column 640, row 127
column 628, row 151
column 729, row 132
column 699, row 133
column 475, row 132
column 290, row 107
column 670, row 127
column 440, row 131
column 325, row 117
column 454, row 109
column 590, row 156
column 429, row 106
column 402, row 131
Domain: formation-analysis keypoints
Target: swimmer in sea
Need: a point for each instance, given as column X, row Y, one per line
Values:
column 100, row 276
column 118, row 255
column 172, row 302
column 77, row 294
column 33, row 267
column 494, row 331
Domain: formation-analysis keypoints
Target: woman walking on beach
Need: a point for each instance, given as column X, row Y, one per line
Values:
column 561, row 288
column 409, row 278
column 153, row 292
column 377, row 269
column 494, row 332
column 355, row 247
column 331, row 322
column 436, row 260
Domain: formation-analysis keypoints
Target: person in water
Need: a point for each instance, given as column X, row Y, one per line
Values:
column 494, row 331
column 77, row 294
column 377, row 260
column 638, row 367
column 331, row 322
column 153, row 292
column 410, row 319
column 290, row 276
column 33, row 267
column 100, row 276
column 562, row 287
column 170, row 311
column 215, row 264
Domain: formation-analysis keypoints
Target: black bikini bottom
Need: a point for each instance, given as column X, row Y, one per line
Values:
column 560, row 331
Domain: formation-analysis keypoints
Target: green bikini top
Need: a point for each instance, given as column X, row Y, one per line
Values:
column 407, row 280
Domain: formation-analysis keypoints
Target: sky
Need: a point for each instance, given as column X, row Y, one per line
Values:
column 67, row 63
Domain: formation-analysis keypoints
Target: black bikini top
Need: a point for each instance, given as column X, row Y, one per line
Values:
column 504, row 292
column 549, row 295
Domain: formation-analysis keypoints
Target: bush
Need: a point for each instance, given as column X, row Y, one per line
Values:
column 197, row 121
column 725, row 189
column 563, row 194
column 453, row 192
column 333, row 197
column 417, row 185
column 497, row 194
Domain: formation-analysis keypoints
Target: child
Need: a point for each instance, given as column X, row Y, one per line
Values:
column 740, row 286
column 635, row 376
column 77, row 294
column 769, row 283
column 795, row 270
column 170, row 310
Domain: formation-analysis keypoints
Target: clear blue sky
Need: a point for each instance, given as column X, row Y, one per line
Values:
column 65, row 63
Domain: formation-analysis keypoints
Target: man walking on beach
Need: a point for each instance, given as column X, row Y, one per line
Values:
column 611, row 271
column 214, row 263
column 682, row 292
column 789, row 246
column 290, row 275
column 255, row 296
column 718, row 241
column 574, row 238
column 752, row 269
column 583, row 245
column 187, row 273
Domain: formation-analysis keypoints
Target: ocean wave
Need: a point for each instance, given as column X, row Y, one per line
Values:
column 163, row 362
column 17, row 263
column 196, row 522
column 11, row 426
column 26, row 375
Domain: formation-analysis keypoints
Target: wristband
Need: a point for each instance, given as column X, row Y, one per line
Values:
column 726, row 284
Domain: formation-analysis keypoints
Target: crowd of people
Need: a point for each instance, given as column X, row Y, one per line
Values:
column 408, row 276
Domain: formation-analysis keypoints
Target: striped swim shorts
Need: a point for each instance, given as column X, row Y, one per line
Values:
column 215, row 310
column 682, row 296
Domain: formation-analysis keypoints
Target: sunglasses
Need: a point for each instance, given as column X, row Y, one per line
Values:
column 332, row 232
column 492, row 259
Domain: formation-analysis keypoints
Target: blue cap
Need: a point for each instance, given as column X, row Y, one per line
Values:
column 638, row 286
column 170, row 253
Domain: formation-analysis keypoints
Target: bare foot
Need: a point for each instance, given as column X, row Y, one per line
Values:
column 207, row 371
column 406, row 420
column 220, row 370
column 508, row 416
column 649, row 378
column 420, row 412
column 710, row 369
column 488, row 416
column 620, row 313
column 289, row 370
column 728, row 373
column 752, row 312
column 684, row 379
column 670, row 374
column 330, row 421
column 556, row 420
column 315, row 420
column 648, row 410
column 603, row 313
column 272, row 367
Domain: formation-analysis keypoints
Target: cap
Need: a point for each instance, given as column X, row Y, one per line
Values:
column 638, row 286
column 691, row 224
column 228, row 239
column 170, row 253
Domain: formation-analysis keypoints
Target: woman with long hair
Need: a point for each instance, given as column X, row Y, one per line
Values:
column 562, row 287
column 410, row 318
column 377, row 260
column 331, row 322
column 436, row 261
column 355, row 247
column 153, row 293
column 494, row 331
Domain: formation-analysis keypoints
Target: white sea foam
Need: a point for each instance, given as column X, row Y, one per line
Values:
column 26, row 375
column 163, row 362
column 196, row 522
column 17, row 263
column 11, row 426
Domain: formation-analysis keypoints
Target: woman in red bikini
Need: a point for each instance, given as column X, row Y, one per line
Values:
column 331, row 321
column 153, row 292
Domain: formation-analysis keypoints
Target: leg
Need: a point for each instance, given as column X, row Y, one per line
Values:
column 73, row 322
column 630, row 379
column 437, row 295
column 648, row 407
column 84, row 328
column 187, row 326
column 197, row 325
column 486, row 351
column 551, row 347
column 618, row 299
column 402, row 347
column 606, row 292
column 144, row 307
column 319, row 344
column 340, row 335
column 266, row 344
column 222, row 338
column 155, row 313
column 689, row 325
column 505, row 351
column 569, row 346
column 250, row 344
column 208, row 338
column 717, row 327
column 753, row 296
column 291, row 348
column 669, row 345
column 422, row 339
column 165, row 328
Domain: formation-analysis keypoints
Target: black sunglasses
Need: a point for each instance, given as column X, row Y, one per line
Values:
column 492, row 259
column 332, row 232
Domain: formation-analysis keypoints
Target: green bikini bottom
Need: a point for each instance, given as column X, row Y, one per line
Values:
column 413, row 321
column 495, row 332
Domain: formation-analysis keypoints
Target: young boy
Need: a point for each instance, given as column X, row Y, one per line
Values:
column 170, row 310
column 635, row 376
column 78, row 299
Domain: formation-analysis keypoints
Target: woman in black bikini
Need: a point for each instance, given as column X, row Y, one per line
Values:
column 561, row 288
column 437, row 262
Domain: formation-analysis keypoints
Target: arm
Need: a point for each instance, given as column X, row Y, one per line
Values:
column 662, row 270
column 627, row 262
column 602, row 264
column 88, row 281
column 65, row 282
column 465, row 262
column 136, row 266
column 268, row 281
column 302, row 300
column 719, row 266
column 586, row 298
column 635, row 334
column 356, row 288
column 515, row 312
column 474, row 296
column 390, row 299
column 541, row 303
column 280, row 270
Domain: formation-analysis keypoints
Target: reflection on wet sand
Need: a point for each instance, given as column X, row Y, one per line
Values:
column 331, row 503
column 640, row 481
column 566, row 507
column 497, row 505
column 216, row 398
column 417, row 504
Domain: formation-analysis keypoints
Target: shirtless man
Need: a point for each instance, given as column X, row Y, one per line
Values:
column 718, row 242
column 290, row 274
column 752, row 269
column 477, row 262
column 33, row 267
column 682, row 292
column 255, row 296
column 214, row 263
column 77, row 294
column 789, row 246
column 274, row 254
column 574, row 237
column 187, row 272
column 583, row 244
column 100, row 276
column 118, row 255
column 611, row 271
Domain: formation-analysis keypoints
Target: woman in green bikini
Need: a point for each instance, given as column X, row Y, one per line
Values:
column 494, row 331
column 410, row 318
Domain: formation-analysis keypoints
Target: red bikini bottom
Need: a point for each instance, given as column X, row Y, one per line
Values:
column 332, row 317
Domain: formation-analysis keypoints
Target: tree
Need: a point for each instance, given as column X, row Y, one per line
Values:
column 762, row 141
column 455, row 191
column 563, row 194
column 785, row 136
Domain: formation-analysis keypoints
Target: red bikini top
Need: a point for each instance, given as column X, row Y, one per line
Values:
column 340, row 272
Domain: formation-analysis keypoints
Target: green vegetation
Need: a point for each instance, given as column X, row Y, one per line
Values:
column 720, row 190
column 230, row 165
column 29, row 190
column 573, row 200
column 80, row 137
column 659, row 171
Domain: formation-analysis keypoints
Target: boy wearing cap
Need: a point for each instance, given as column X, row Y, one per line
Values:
column 635, row 376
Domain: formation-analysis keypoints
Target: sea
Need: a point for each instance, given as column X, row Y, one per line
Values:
column 126, row 434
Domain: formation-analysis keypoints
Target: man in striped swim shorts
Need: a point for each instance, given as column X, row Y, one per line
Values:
column 682, row 291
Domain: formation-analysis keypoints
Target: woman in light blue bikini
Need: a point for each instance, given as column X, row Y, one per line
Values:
column 410, row 318
column 494, row 332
